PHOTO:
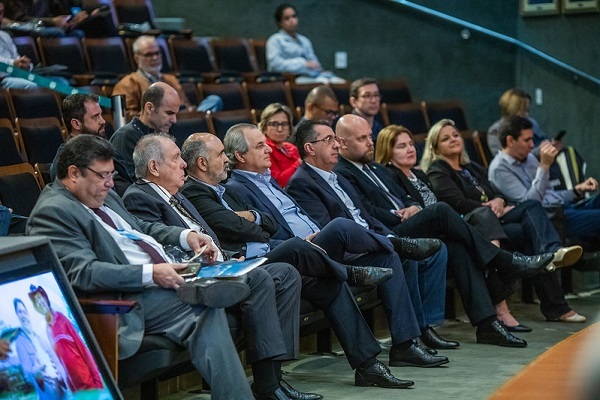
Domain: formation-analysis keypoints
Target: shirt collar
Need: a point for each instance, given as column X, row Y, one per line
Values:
column 266, row 177
column 328, row 176
column 220, row 189
column 162, row 192
column 510, row 159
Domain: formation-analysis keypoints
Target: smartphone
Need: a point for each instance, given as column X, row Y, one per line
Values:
column 190, row 271
column 74, row 12
column 559, row 136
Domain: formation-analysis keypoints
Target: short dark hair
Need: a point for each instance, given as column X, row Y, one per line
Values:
column 357, row 84
column 306, row 133
column 81, row 151
column 73, row 106
column 513, row 127
column 280, row 9
column 154, row 94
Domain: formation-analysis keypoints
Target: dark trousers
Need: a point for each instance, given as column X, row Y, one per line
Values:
column 269, row 315
column 583, row 219
column 468, row 254
column 308, row 259
column 347, row 242
column 530, row 231
column 344, row 316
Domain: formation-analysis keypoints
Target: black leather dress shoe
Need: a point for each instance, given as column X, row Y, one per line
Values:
column 428, row 349
column 497, row 334
column 518, row 328
column 525, row 266
column 415, row 249
column 368, row 276
column 297, row 395
column 278, row 394
column 415, row 356
column 215, row 293
column 433, row 340
column 379, row 374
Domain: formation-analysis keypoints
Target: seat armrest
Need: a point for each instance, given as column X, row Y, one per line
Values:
column 118, row 307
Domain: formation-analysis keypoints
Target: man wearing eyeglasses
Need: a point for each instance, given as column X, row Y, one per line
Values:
column 148, row 59
column 322, row 104
column 365, row 100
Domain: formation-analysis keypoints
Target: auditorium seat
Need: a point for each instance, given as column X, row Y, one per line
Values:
column 19, row 188
column 66, row 51
column 394, row 91
column 231, row 93
column 34, row 103
column 221, row 121
column 107, row 59
column 260, row 95
column 41, row 137
column 11, row 147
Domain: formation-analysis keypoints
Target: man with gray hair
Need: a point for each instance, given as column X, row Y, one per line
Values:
column 270, row 314
column 148, row 58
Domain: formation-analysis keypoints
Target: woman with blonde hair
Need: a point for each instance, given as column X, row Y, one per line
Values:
column 276, row 124
column 513, row 102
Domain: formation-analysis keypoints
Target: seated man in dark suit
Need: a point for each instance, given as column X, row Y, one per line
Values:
column 251, row 180
column 269, row 315
column 470, row 253
column 107, row 252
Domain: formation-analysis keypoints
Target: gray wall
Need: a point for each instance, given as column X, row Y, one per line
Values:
column 387, row 40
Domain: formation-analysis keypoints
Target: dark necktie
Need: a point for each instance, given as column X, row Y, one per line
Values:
column 148, row 249
column 393, row 199
column 178, row 204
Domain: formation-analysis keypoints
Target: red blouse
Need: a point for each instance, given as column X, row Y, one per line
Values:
column 284, row 161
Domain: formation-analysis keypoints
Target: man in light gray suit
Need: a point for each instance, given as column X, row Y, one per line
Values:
column 105, row 249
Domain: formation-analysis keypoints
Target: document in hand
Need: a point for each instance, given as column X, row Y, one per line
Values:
column 229, row 269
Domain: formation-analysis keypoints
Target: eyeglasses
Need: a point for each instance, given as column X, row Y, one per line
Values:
column 150, row 55
column 277, row 125
column 327, row 139
column 370, row 96
column 330, row 113
column 106, row 176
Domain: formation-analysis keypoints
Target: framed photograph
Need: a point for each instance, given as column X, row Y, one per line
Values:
column 580, row 6
column 539, row 7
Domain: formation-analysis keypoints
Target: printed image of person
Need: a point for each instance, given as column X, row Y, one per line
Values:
column 39, row 362
column 80, row 367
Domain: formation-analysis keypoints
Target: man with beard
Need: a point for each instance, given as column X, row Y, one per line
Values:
column 83, row 115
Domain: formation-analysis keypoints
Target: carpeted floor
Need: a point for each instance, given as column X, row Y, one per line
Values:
column 475, row 371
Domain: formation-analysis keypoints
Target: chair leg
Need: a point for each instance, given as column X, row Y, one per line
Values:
column 149, row 390
column 324, row 341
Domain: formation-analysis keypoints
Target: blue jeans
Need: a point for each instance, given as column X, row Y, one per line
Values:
column 583, row 219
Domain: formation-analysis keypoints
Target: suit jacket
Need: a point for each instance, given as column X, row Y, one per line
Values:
column 321, row 202
column 460, row 193
column 136, row 83
column 144, row 202
column 233, row 230
column 92, row 260
column 371, row 196
column 243, row 187
column 408, row 187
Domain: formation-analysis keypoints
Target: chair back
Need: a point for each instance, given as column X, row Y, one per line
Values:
column 64, row 51
column 221, row 121
column 41, row 137
column 26, row 46
column 10, row 146
column 394, row 91
column 34, row 103
column 260, row 95
column 188, row 123
column 107, row 57
column 231, row 93
column 234, row 55
column 192, row 56
column 19, row 188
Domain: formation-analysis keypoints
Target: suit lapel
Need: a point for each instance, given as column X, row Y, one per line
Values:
column 265, row 201
column 327, row 188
